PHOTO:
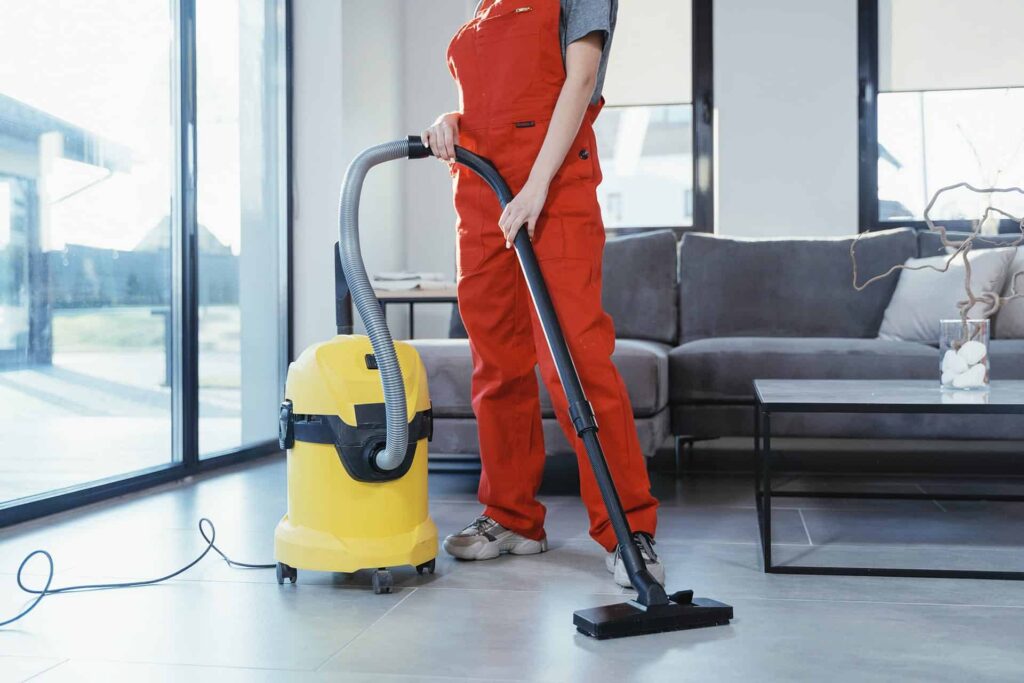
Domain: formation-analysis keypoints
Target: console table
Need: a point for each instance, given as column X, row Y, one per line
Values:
column 868, row 396
column 448, row 295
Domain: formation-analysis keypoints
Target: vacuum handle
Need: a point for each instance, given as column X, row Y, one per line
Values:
column 649, row 591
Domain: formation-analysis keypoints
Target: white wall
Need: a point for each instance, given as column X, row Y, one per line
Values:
column 348, row 76
column 786, row 100
column 430, row 91
column 372, row 104
column 318, row 164
column 365, row 72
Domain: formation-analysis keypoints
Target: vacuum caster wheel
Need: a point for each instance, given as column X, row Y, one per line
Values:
column 286, row 572
column 426, row 567
column 382, row 581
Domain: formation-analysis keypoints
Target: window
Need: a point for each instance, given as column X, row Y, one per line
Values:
column 949, row 109
column 646, row 132
column 95, row 261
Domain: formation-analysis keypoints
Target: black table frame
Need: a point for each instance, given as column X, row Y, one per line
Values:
column 763, row 492
column 411, row 301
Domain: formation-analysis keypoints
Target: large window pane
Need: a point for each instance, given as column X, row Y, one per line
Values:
column 240, row 127
column 647, row 161
column 928, row 140
column 86, row 171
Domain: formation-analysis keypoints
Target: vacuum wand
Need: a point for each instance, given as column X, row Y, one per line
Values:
column 653, row 610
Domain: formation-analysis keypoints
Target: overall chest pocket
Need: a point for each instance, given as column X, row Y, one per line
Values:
column 508, row 52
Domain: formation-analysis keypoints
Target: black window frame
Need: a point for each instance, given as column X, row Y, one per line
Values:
column 867, row 112
column 702, row 102
column 184, row 292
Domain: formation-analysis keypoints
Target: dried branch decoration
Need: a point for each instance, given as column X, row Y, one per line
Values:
column 992, row 301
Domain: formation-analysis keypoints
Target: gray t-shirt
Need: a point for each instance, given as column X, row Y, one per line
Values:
column 580, row 18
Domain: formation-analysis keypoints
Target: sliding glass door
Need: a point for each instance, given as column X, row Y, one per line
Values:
column 121, row 220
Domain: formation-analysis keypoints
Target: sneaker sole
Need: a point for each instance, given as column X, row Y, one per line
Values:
column 494, row 549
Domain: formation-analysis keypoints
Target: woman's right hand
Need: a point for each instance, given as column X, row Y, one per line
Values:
column 443, row 135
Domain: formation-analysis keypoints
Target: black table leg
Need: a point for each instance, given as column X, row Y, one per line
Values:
column 412, row 322
column 766, row 481
column 757, row 462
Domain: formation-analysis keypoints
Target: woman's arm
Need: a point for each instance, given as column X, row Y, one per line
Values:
column 582, row 60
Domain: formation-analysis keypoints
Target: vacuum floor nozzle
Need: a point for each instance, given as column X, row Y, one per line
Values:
column 632, row 619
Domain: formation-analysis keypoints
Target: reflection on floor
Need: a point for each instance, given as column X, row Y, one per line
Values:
column 510, row 619
column 92, row 415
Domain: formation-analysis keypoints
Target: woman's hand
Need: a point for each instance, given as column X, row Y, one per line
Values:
column 524, row 209
column 443, row 135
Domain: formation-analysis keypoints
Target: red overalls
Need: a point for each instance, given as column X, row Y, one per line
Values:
column 508, row 65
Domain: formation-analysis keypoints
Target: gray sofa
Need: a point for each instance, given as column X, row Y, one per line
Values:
column 697, row 321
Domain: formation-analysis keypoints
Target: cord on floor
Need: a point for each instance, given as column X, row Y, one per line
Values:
column 41, row 593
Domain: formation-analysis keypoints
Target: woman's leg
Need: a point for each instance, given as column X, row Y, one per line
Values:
column 575, row 286
column 495, row 308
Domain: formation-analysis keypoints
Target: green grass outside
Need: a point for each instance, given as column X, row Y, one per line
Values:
column 128, row 328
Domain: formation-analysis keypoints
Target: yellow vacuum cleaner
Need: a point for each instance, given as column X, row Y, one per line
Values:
column 356, row 421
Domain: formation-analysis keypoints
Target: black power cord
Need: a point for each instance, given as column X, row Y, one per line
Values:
column 41, row 593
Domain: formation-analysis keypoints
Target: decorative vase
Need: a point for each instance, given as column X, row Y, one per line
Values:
column 963, row 355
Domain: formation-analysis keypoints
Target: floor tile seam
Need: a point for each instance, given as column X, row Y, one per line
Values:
column 420, row 677
column 907, row 546
column 807, row 531
column 935, row 502
column 412, row 591
column 190, row 665
column 680, row 542
column 901, row 603
column 37, row 674
column 516, row 591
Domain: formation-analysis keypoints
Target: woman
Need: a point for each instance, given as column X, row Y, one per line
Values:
column 529, row 74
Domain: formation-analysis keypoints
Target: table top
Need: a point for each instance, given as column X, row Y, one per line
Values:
column 446, row 295
column 880, row 396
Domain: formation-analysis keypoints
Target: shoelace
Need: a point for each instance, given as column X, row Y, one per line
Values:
column 481, row 525
column 645, row 544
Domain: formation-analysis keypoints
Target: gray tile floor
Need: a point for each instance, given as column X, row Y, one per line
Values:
column 510, row 619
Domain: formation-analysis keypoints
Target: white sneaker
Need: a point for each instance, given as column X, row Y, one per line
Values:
column 485, row 539
column 614, row 564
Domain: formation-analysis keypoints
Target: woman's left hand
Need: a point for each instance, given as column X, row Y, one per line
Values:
column 524, row 209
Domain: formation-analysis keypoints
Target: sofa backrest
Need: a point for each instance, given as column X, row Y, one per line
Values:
column 639, row 288
column 786, row 287
column 929, row 243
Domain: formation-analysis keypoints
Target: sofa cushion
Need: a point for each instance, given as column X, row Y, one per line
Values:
column 724, row 369
column 926, row 295
column 786, row 287
column 458, row 436
column 639, row 281
column 1006, row 359
column 1009, row 323
column 642, row 364
column 639, row 288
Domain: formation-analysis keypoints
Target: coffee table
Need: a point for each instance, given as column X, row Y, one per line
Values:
column 868, row 396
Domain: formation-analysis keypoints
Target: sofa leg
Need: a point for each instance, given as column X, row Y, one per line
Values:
column 683, row 451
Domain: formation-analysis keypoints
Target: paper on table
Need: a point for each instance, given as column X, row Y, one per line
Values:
column 408, row 285
column 404, row 275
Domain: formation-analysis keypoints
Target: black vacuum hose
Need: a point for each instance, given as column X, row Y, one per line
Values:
column 649, row 591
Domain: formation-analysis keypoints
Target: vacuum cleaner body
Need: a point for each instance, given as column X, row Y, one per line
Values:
column 344, row 515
